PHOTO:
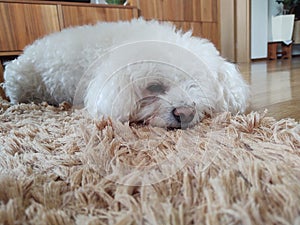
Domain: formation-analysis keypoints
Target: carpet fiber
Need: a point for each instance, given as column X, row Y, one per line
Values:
column 58, row 166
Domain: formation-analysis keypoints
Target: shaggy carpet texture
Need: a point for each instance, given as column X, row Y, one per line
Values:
column 58, row 166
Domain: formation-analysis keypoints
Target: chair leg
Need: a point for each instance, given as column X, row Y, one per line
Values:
column 286, row 51
column 272, row 50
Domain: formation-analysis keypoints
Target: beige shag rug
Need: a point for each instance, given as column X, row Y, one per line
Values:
column 58, row 166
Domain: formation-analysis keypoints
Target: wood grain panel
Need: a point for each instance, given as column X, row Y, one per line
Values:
column 211, row 32
column 21, row 24
column 179, row 10
column 151, row 10
column 173, row 10
column 199, row 15
column 209, row 11
column 80, row 15
column 192, row 10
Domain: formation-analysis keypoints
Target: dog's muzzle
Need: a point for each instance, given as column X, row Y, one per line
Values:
column 184, row 114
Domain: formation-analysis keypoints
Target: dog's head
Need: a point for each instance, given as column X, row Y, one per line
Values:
column 162, row 84
column 150, row 93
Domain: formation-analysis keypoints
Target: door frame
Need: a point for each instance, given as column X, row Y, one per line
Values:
column 235, row 27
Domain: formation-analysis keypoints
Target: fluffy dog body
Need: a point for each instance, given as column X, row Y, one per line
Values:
column 158, row 94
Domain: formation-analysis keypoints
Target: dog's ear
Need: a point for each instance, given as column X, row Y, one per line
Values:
column 236, row 91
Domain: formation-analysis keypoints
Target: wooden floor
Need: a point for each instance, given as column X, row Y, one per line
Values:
column 275, row 86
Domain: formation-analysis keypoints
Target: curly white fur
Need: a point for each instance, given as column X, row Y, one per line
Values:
column 51, row 68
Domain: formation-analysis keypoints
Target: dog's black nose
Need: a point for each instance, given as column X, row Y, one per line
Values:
column 184, row 114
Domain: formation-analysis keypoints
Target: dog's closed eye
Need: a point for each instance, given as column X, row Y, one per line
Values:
column 156, row 88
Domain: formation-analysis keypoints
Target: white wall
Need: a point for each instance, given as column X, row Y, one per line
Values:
column 259, row 28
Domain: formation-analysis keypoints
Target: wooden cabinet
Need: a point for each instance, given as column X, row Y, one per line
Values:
column 200, row 16
column 179, row 10
column 22, row 23
column 80, row 15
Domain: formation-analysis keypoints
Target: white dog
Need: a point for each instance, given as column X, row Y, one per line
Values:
column 137, row 71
